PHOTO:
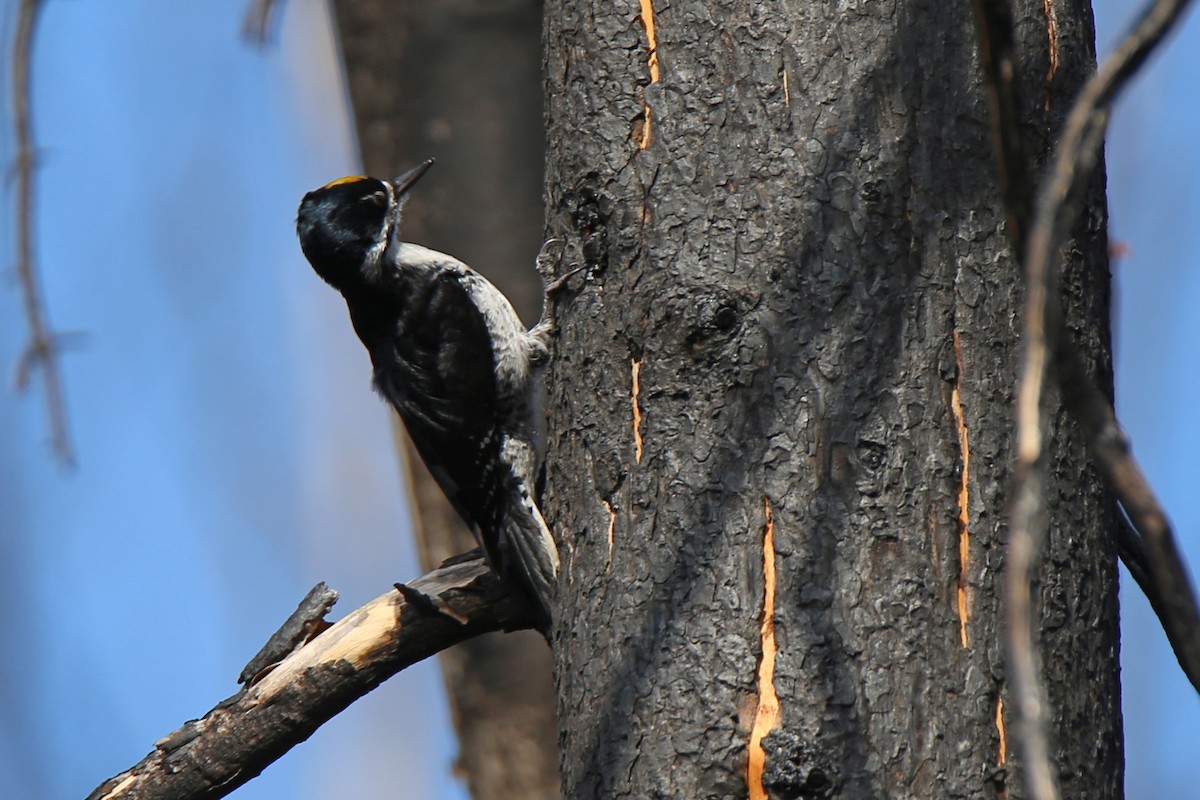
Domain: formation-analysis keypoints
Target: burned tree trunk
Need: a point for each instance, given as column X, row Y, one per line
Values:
column 783, row 403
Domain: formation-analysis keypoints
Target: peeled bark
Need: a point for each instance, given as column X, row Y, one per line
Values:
column 788, row 385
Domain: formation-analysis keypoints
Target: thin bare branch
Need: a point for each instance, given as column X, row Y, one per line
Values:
column 41, row 354
column 1133, row 554
column 259, row 20
column 1057, row 207
column 1027, row 532
column 1173, row 598
column 993, row 19
column 1025, row 538
column 1039, row 241
column 286, row 703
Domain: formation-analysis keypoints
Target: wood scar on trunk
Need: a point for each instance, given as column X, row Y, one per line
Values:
column 612, row 529
column 964, row 513
column 636, row 390
column 647, row 15
column 1052, row 38
column 767, row 717
column 1002, row 754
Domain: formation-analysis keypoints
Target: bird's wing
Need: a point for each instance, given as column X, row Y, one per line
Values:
column 442, row 383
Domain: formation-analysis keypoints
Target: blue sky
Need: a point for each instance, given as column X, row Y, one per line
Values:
column 230, row 451
column 231, row 454
column 1154, row 199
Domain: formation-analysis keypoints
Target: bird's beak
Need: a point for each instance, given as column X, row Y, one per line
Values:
column 406, row 181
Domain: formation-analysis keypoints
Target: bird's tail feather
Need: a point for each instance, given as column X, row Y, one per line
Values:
column 532, row 548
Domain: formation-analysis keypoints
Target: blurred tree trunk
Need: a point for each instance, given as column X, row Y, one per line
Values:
column 461, row 81
column 782, row 407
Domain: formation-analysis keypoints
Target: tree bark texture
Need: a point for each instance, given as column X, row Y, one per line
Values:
column 460, row 81
column 788, row 385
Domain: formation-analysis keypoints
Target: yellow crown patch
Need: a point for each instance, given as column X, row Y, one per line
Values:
column 347, row 179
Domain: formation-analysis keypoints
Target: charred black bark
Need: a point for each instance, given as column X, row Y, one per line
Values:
column 790, row 382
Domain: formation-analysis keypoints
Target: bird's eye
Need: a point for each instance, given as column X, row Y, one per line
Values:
column 376, row 199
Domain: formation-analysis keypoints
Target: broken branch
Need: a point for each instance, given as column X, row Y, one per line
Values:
column 241, row 736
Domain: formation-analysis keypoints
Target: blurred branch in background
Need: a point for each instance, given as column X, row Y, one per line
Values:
column 1147, row 544
column 261, row 17
column 44, row 347
column 1058, row 206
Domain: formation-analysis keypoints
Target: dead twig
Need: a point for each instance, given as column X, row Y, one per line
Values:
column 1155, row 563
column 286, row 700
column 1058, row 205
column 994, row 21
column 42, row 351
column 259, row 20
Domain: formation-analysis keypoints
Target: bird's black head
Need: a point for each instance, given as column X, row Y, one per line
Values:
column 345, row 226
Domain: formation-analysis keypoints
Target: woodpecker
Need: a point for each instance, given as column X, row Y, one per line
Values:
column 450, row 354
